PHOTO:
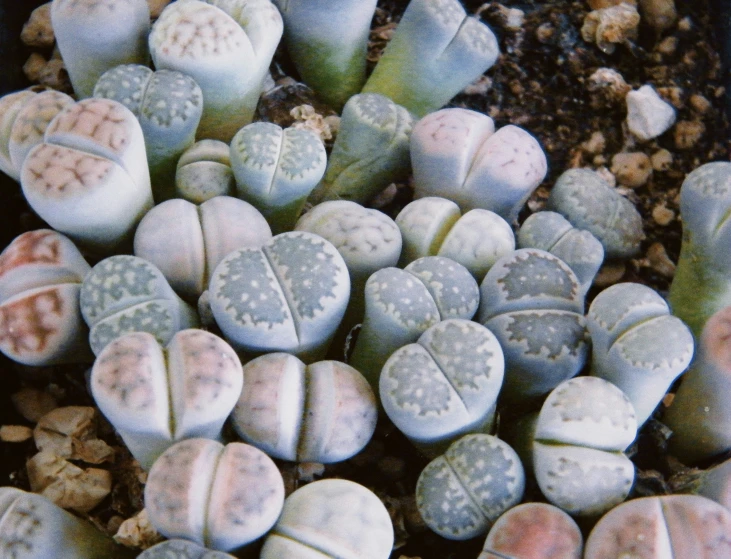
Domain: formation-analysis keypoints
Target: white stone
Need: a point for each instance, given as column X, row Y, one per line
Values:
column 648, row 115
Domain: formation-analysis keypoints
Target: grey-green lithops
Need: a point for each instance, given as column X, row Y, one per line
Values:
column 637, row 344
column 461, row 493
column 204, row 171
column 584, row 198
column 181, row 549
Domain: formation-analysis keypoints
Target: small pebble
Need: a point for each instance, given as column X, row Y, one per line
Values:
column 609, row 26
column 659, row 260
column 659, row 14
column 607, row 87
column 632, row 169
column 648, row 116
column 595, row 144
column 600, row 4
column 662, row 215
column 699, row 103
column 38, row 31
column 34, row 67
column 610, row 273
column 667, row 46
column 545, row 32
column 15, row 433
column 688, row 133
column 33, row 404
column 673, row 95
column 661, row 160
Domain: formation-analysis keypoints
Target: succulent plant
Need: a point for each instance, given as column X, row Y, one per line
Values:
column 181, row 549
column 457, row 154
column 276, row 169
column 168, row 105
column 637, row 344
column 370, row 152
column 31, row 526
column 96, row 35
column 461, row 493
column 328, row 43
column 324, row 412
column 328, row 519
column 290, row 295
column 226, row 46
column 156, row 396
column 124, row 294
column 204, row 171
column 436, row 51
column 433, row 226
column 186, row 242
column 533, row 531
column 532, row 301
column 667, row 527
column 552, row 232
column 700, row 285
column 220, row 497
column 588, row 202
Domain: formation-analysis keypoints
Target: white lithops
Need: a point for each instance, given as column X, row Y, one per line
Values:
column 124, row 294
column 155, row 396
column 434, row 226
column 220, row 497
column 457, row 154
column 461, row 493
column 444, row 385
column 637, row 344
column 289, row 295
column 533, row 302
column 181, row 549
column 186, row 242
column 276, row 169
column 204, row 171
column 450, row 284
column 329, row 519
column 324, row 412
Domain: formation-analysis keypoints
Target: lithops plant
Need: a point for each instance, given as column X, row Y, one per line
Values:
column 329, row 519
column 168, row 105
column 124, row 294
column 328, row 43
column 444, row 385
column 533, row 531
column 89, row 177
column 457, row 154
column 227, row 56
column 96, row 35
column 664, row 527
column 31, row 526
column 436, row 52
column 552, row 232
column 532, row 301
column 701, row 284
column 713, row 483
column 700, row 414
column 155, row 396
column 10, row 105
column 186, row 242
column 276, row 169
column 324, row 412
column 461, row 493
column 588, row 202
column 370, row 152
column 204, row 171
column 289, row 295
column 40, row 279
column 220, row 497
column 637, row 344
column 434, row 226
column 181, row 549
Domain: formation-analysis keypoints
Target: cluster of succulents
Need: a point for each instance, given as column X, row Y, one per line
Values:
column 195, row 314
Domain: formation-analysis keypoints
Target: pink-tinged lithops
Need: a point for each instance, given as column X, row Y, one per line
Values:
column 89, row 178
column 125, row 294
column 96, row 35
column 156, row 396
column 186, row 242
column 330, row 519
column 31, row 527
column 220, row 497
column 276, row 169
column 637, row 344
column 436, row 52
column 552, row 232
column 40, row 280
column 324, row 412
column 462, row 492
column 10, row 106
column 588, row 201
column 700, row 414
column 168, row 105
column 444, row 385
column 665, row 527
column 204, row 171
column 289, row 295
column 533, row 531
column 434, row 226
column 532, row 301
column 181, row 549
column 456, row 154
column 227, row 56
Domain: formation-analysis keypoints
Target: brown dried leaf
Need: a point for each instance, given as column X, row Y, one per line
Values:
column 137, row 532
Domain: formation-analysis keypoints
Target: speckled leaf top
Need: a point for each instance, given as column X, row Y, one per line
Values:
column 659, row 345
column 402, row 297
column 22, row 525
column 453, row 288
column 126, row 84
column 32, row 121
column 375, row 110
column 258, row 144
column 181, row 549
column 559, row 333
column 705, row 202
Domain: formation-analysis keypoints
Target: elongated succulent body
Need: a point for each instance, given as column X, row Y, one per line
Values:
column 204, row 171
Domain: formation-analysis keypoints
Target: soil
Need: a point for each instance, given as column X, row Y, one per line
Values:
column 542, row 83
